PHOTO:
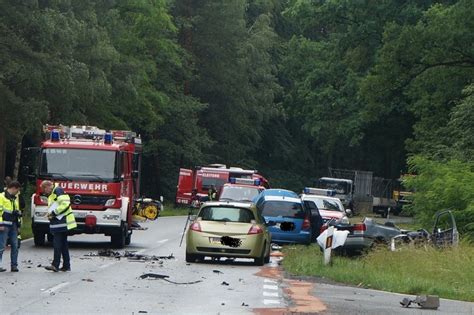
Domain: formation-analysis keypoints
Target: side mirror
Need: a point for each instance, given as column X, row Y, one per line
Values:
column 192, row 217
column 348, row 212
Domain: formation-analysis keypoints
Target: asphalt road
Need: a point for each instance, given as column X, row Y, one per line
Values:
column 108, row 285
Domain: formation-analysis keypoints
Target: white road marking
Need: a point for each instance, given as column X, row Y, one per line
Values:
column 163, row 241
column 269, row 281
column 270, row 287
column 56, row 287
column 273, row 264
column 268, row 302
column 272, row 294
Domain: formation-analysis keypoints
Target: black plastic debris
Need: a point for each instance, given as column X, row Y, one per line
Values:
column 243, row 304
column 165, row 278
column 130, row 255
column 224, row 283
column 153, row 275
column 142, row 312
column 217, row 271
column 430, row 302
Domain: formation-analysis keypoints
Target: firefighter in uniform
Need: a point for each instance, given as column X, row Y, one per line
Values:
column 61, row 222
column 212, row 193
column 9, row 223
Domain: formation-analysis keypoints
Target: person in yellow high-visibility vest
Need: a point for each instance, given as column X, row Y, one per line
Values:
column 9, row 223
column 61, row 222
column 21, row 205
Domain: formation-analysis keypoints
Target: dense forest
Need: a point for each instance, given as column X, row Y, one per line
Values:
column 286, row 87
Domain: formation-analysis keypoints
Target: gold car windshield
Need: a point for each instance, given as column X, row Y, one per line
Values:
column 226, row 214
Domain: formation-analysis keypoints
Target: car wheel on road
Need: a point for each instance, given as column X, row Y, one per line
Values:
column 267, row 258
column 260, row 261
column 190, row 258
column 118, row 239
column 128, row 239
column 38, row 238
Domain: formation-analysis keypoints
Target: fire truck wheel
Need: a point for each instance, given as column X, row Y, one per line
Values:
column 128, row 239
column 118, row 239
column 38, row 238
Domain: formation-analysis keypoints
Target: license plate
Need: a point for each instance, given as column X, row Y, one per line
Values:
column 215, row 240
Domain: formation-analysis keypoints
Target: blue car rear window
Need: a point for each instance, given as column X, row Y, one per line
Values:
column 284, row 209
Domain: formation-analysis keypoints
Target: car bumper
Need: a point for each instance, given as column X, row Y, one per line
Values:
column 107, row 221
column 302, row 237
column 357, row 243
column 198, row 243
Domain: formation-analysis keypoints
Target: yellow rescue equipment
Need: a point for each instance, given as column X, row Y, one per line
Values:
column 146, row 209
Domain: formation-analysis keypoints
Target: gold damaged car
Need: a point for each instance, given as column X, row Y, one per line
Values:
column 228, row 229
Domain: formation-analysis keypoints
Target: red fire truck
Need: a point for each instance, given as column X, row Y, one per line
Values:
column 203, row 178
column 100, row 171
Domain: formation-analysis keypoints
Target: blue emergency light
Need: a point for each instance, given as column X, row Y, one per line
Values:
column 232, row 180
column 55, row 136
column 108, row 138
column 319, row 191
column 257, row 182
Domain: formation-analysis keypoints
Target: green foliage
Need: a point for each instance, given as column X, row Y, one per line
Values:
column 287, row 87
column 423, row 68
column 440, row 186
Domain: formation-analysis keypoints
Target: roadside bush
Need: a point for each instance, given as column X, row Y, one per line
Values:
column 439, row 186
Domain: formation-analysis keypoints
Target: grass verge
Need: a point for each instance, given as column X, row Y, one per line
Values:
column 25, row 229
column 171, row 210
column 448, row 272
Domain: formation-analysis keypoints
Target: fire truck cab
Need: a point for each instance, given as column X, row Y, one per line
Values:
column 201, row 179
column 99, row 170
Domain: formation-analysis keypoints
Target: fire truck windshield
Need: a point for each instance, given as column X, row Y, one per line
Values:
column 79, row 164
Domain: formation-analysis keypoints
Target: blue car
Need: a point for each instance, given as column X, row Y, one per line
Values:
column 289, row 222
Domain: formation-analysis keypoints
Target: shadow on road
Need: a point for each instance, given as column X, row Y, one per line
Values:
column 226, row 262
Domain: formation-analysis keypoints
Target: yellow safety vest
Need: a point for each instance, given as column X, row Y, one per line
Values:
column 7, row 207
column 63, row 220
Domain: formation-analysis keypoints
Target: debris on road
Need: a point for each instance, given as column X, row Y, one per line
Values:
column 224, row 283
column 130, row 255
column 165, row 278
column 243, row 304
column 276, row 246
column 87, row 280
column 430, row 302
column 217, row 271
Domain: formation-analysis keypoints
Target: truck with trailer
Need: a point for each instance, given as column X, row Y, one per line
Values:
column 101, row 171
